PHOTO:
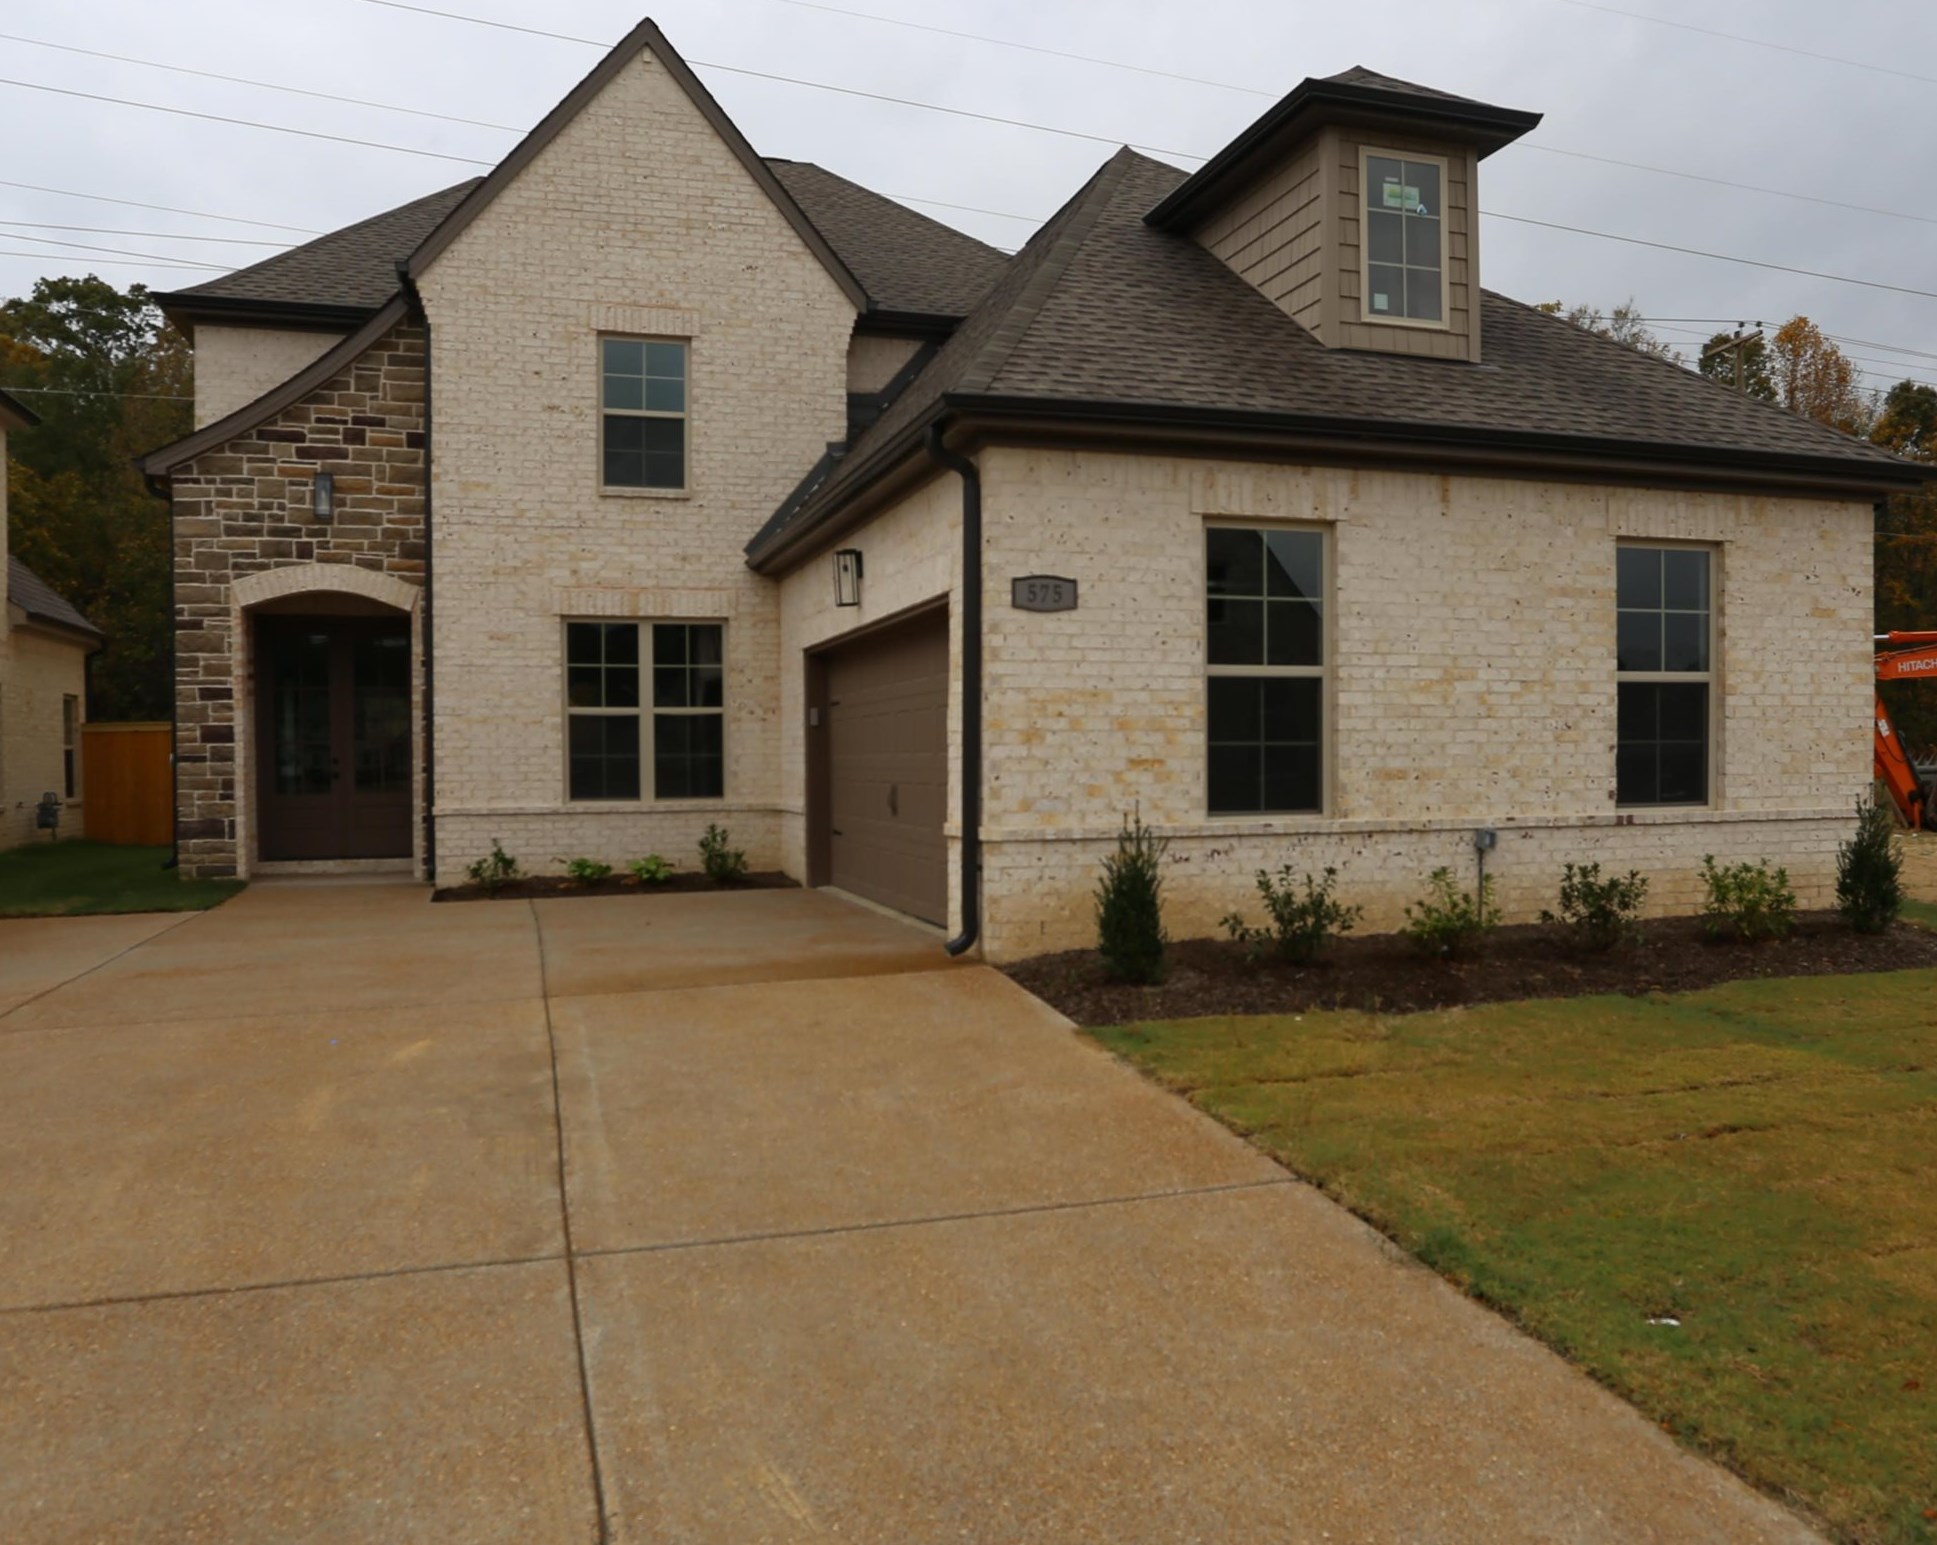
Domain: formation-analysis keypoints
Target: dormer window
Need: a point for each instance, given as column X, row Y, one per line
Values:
column 1405, row 238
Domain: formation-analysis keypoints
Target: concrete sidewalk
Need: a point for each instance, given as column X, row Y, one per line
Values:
column 332, row 1215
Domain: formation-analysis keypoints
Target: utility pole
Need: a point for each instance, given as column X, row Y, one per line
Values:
column 1737, row 344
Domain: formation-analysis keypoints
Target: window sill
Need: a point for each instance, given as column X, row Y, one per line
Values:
column 645, row 493
column 1417, row 323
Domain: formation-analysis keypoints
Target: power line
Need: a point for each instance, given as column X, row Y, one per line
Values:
column 58, row 391
column 245, row 123
column 166, row 209
column 1032, row 48
column 153, row 257
column 108, row 230
column 243, row 80
column 968, row 209
column 116, row 262
column 1736, row 37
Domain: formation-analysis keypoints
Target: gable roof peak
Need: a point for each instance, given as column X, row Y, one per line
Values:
column 646, row 37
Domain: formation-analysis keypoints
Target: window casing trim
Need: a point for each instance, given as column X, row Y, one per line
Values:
column 645, row 713
column 1712, row 678
column 1327, row 535
column 600, row 412
column 1366, row 314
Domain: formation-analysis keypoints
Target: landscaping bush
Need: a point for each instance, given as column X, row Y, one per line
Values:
column 1129, row 907
column 1750, row 901
column 1597, row 913
column 586, row 871
column 1448, row 921
column 1302, row 924
column 495, row 870
column 1869, row 867
column 723, row 864
column 651, row 870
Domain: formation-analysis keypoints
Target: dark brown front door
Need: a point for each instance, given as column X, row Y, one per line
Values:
column 333, row 737
column 887, row 767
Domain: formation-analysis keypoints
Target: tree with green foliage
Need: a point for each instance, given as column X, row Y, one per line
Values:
column 1756, row 379
column 110, row 379
column 1623, row 325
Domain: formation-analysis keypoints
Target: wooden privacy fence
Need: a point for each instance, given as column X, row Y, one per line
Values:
column 126, row 787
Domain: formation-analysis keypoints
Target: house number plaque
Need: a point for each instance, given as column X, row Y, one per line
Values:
column 1042, row 593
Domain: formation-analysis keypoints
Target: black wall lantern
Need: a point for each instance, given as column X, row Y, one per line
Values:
column 323, row 496
column 847, row 577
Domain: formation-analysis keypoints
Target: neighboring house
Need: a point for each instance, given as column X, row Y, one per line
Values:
column 529, row 511
column 44, row 645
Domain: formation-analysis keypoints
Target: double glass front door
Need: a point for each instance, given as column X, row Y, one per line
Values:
column 333, row 737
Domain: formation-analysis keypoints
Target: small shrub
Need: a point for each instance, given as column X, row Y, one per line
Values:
column 1598, row 913
column 1129, row 906
column 1869, row 868
column 1302, row 924
column 495, row 870
column 1750, row 901
column 585, row 871
column 651, row 870
column 723, row 864
column 1448, row 921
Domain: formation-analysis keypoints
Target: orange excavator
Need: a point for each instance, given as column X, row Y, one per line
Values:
column 1903, row 657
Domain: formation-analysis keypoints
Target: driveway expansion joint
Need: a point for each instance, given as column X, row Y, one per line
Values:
column 1031, row 1209
column 186, row 918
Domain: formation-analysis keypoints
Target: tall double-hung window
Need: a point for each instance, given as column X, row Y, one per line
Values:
column 642, row 413
column 645, row 710
column 1664, row 672
column 1404, row 267
column 1265, row 660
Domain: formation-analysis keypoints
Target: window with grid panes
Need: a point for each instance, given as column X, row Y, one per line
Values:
column 1664, row 648
column 1404, row 240
column 642, row 413
column 645, row 698
column 1265, row 664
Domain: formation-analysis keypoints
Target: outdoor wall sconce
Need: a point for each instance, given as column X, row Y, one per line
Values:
column 324, row 496
column 847, row 577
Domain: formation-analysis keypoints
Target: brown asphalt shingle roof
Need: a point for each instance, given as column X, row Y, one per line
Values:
column 1102, row 308
column 1359, row 75
column 41, row 601
column 354, row 267
column 905, row 261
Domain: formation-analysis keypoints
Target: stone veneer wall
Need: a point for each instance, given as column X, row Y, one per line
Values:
column 245, row 508
column 1472, row 686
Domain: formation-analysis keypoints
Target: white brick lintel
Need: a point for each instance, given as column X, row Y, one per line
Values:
column 1325, row 828
column 683, row 604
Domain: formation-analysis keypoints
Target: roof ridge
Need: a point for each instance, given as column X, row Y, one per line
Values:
column 1084, row 209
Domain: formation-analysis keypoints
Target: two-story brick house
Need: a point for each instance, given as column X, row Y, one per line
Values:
column 645, row 484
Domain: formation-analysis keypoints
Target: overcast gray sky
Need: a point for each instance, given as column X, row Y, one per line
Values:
column 1611, row 85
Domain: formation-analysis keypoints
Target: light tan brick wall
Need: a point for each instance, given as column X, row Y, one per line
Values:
column 636, row 219
column 911, row 559
column 36, row 671
column 1473, row 685
column 872, row 361
column 236, row 365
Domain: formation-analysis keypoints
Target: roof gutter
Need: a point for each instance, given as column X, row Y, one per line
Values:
column 971, row 769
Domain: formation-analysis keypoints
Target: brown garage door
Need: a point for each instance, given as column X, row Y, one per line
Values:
column 887, row 767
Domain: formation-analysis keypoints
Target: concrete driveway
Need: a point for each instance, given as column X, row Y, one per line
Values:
column 333, row 1215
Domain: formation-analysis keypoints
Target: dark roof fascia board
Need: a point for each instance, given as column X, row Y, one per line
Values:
column 13, row 407
column 642, row 37
column 226, row 310
column 90, row 636
column 1312, row 103
column 930, row 326
column 312, row 376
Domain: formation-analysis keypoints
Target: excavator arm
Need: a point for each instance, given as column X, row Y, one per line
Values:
column 1910, row 657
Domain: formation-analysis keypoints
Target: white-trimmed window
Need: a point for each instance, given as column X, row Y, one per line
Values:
column 645, row 707
column 642, row 413
column 1664, row 674
column 1403, row 247
column 1265, row 661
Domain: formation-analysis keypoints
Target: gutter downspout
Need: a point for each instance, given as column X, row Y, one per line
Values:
column 427, row 607
column 971, row 772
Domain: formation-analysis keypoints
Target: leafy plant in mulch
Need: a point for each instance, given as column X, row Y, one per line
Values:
column 1869, row 870
column 1746, row 901
column 724, row 864
column 586, row 871
column 1129, row 907
column 495, row 869
column 1599, row 914
column 1302, row 921
column 651, row 870
column 1449, row 922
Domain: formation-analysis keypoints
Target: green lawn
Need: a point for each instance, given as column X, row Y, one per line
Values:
column 70, row 879
column 1758, row 1162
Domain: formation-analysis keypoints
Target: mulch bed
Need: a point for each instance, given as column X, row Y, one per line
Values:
column 1383, row 973
column 542, row 886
